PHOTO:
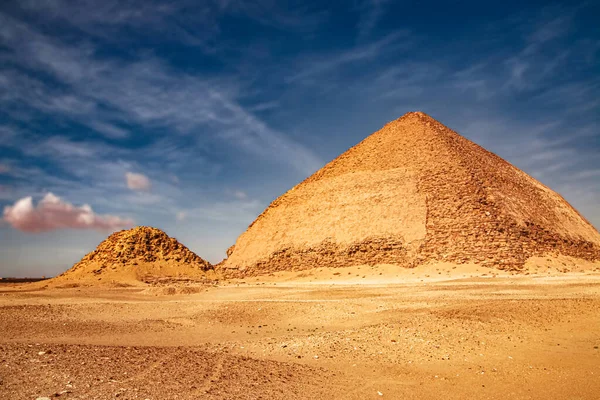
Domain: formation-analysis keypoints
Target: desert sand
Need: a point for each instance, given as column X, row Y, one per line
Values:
column 325, row 333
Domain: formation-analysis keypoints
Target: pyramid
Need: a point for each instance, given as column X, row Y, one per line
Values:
column 141, row 254
column 411, row 193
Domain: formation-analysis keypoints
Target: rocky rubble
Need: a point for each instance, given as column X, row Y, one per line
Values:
column 148, row 252
column 142, row 243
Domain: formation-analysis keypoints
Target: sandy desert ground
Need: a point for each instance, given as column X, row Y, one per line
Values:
column 317, row 334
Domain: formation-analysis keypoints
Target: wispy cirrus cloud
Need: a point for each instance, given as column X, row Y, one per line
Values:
column 52, row 213
column 192, row 23
column 319, row 66
column 371, row 11
column 294, row 16
column 110, row 18
column 108, row 129
column 533, row 64
column 146, row 92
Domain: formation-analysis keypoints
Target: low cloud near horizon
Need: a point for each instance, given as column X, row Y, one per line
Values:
column 53, row 213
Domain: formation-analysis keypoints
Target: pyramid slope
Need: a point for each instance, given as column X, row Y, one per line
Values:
column 413, row 192
column 141, row 254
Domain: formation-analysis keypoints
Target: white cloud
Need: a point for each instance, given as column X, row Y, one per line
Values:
column 52, row 213
column 137, row 181
column 180, row 216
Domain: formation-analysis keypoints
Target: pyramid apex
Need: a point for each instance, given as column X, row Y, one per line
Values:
column 418, row 114
column 414, row 116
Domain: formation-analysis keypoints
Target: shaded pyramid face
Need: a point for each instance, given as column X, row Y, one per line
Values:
column 139, row 254
column 413, row 192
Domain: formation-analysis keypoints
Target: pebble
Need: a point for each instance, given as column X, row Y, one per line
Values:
column 379, row 393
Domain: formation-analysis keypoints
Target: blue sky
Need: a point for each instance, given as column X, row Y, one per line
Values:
column 193, row 116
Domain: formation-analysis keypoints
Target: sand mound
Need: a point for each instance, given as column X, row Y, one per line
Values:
column 412, row 193
column 141, row 254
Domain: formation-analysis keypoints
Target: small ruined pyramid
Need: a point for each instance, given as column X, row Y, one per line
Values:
column 411, row 193
column 141, row 254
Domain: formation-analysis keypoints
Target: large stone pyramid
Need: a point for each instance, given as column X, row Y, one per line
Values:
column 413, row 192
column 143, row 254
